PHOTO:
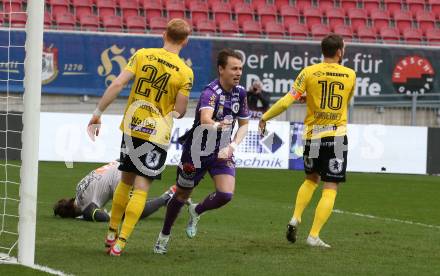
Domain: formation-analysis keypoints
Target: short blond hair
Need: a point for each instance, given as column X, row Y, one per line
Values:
column 177, row 30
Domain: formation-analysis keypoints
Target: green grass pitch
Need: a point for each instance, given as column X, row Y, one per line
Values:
column 247, row 236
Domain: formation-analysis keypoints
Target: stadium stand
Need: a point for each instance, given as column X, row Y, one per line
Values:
column 274, row 29
column 135, row 24
column 206, row 27
column 415, row 21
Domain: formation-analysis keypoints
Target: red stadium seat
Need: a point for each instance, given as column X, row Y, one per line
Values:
column 366, row 34
column 312, row 16
column 199, row 11
column 59, row 6
column 12, row 6
column 228, row 27
column 390, row 35
column 2, row 18
column 206, row 27
column 326, row 4
column 221, row 11
column 345, row 31
column 106, row 8
column 371, row 5
column 281, row 3
column 358, row 17
column 403, row 19
column 267, row 13
column 319, row 31
column 152, row 8
column 297, row 31
column 47, row 20
column 393, row 5
column 233, row 2
column 65, row 21
column 426, row 20
column 112, row 23
column 416, row 6
column 244, row 12
column 18, row 20
column 274, row 29
column 258, row 3
column 303, row 5
column 89, row 22
column 435, row 7
column 289, row 14
column 175, row 8
column 82, row 7
column 349, row 4
column 158, row 24
column 135, row 24
column 335, row 16
column 413, row 36
column 380, row 19
column 129, row 8
column 251, row 28
column 433, row 36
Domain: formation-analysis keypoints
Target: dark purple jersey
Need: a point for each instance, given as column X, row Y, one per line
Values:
column 223, row 103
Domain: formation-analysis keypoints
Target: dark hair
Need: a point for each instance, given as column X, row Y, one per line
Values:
column 222, row 56
column 330, row 44
column 65, row 208
column 178, row 30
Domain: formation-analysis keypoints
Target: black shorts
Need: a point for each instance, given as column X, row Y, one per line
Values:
column 149, row 164
column 327, row 157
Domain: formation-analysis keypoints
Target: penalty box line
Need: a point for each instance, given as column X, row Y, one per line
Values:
column 5, row 259
column 386, row 219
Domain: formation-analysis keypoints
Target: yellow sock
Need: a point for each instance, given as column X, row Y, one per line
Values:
column 133, row 212
column 323, row 211
column 120, row 200
column 303, row 197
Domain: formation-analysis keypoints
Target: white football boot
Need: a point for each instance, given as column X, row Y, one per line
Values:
column 312, row 241
column 161, row 244
column 191, row 228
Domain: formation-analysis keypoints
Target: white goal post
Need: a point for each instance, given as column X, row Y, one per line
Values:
column 30, row 134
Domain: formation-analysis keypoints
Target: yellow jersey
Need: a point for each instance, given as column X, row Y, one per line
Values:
column 159, row 76
column 329, row 88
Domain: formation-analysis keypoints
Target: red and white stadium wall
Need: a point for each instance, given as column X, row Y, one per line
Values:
column 372, row 148
column 79, row 63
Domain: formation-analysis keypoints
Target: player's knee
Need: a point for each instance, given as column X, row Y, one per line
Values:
column 224, row 198
column 182, row 194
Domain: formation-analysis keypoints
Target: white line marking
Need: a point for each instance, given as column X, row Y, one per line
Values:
column 5, row 259
column 386, row 219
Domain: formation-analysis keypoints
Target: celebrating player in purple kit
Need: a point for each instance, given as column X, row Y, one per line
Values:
column 207, row 146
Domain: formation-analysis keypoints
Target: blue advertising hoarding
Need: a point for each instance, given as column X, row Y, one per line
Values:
column 85, row 64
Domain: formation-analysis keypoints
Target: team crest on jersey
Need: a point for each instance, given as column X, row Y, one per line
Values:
column 318, row 74
column 151, row 57
column 152, row 159
column 413, row 74
column 335, row 165
column 50, row 65
column 235, row 107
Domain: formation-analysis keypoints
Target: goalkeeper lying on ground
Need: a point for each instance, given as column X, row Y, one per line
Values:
column 95, row 190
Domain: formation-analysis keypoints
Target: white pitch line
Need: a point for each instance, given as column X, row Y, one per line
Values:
column 5, row 259
column 386, row 219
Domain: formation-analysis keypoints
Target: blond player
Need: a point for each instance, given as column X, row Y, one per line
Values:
column 160, row 91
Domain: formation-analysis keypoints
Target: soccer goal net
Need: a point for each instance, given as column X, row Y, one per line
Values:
column 21, row 43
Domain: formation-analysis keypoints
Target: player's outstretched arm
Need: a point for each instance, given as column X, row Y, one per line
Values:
column 93, row 213
column 109, row 96
column 180, row 106
column 279, row 107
